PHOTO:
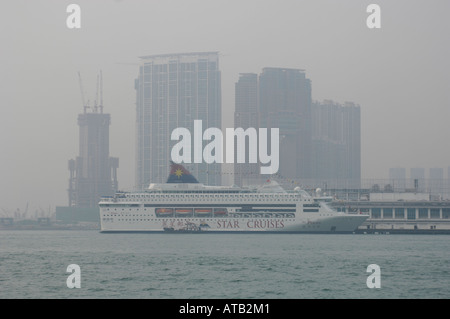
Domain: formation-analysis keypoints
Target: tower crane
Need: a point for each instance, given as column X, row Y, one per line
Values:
column 98, row 102
column 101, row 91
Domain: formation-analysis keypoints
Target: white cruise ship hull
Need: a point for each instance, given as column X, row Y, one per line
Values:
column 129, row 222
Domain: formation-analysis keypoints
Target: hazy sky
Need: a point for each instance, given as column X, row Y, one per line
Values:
column 399, row 74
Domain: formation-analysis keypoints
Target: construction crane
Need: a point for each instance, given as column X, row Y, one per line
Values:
column 98, row 102
column 96, row 96
column 85, row 105
column 101, row 92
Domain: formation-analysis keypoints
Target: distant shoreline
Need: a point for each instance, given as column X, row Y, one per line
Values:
column 41, row 227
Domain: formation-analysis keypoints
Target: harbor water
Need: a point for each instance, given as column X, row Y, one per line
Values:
column 33, row 265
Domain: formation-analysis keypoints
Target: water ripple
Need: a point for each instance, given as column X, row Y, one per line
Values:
column 33, row 265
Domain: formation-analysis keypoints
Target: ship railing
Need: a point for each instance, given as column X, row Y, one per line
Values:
column 109, row 199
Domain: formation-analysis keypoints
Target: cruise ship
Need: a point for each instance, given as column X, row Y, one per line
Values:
column 182, row 204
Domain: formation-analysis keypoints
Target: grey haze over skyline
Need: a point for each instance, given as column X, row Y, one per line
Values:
column 399, row 75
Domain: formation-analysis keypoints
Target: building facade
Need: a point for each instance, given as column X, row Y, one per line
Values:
column 174, row 90
column 246, row 115
column 396, row 216
column 320, row 143
column 285, row 103
column 93, row 173
column 336, row 145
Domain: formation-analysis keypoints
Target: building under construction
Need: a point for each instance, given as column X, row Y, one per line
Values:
column 93, row 173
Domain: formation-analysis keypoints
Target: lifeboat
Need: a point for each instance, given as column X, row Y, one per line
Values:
column 203, row 211
column 183, row 212
column 220, row 212
column 164, row 211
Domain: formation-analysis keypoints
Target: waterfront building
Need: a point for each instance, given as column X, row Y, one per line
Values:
column 398, row 212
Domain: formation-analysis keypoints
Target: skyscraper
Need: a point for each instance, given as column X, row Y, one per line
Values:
column 336, row 150
column 93, row 173
column 320, row 143
column 173, row 90
column 328, row 151
column 245, row 116
column 352, row 138
column 285, row 103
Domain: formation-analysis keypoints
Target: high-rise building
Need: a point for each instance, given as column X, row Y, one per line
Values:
column 352, row 138
column 336, row 145
column 246, row 116
column 320, row 143
column 328, row 151
column 285, row 103
column 174, row 90
column 93, row 173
